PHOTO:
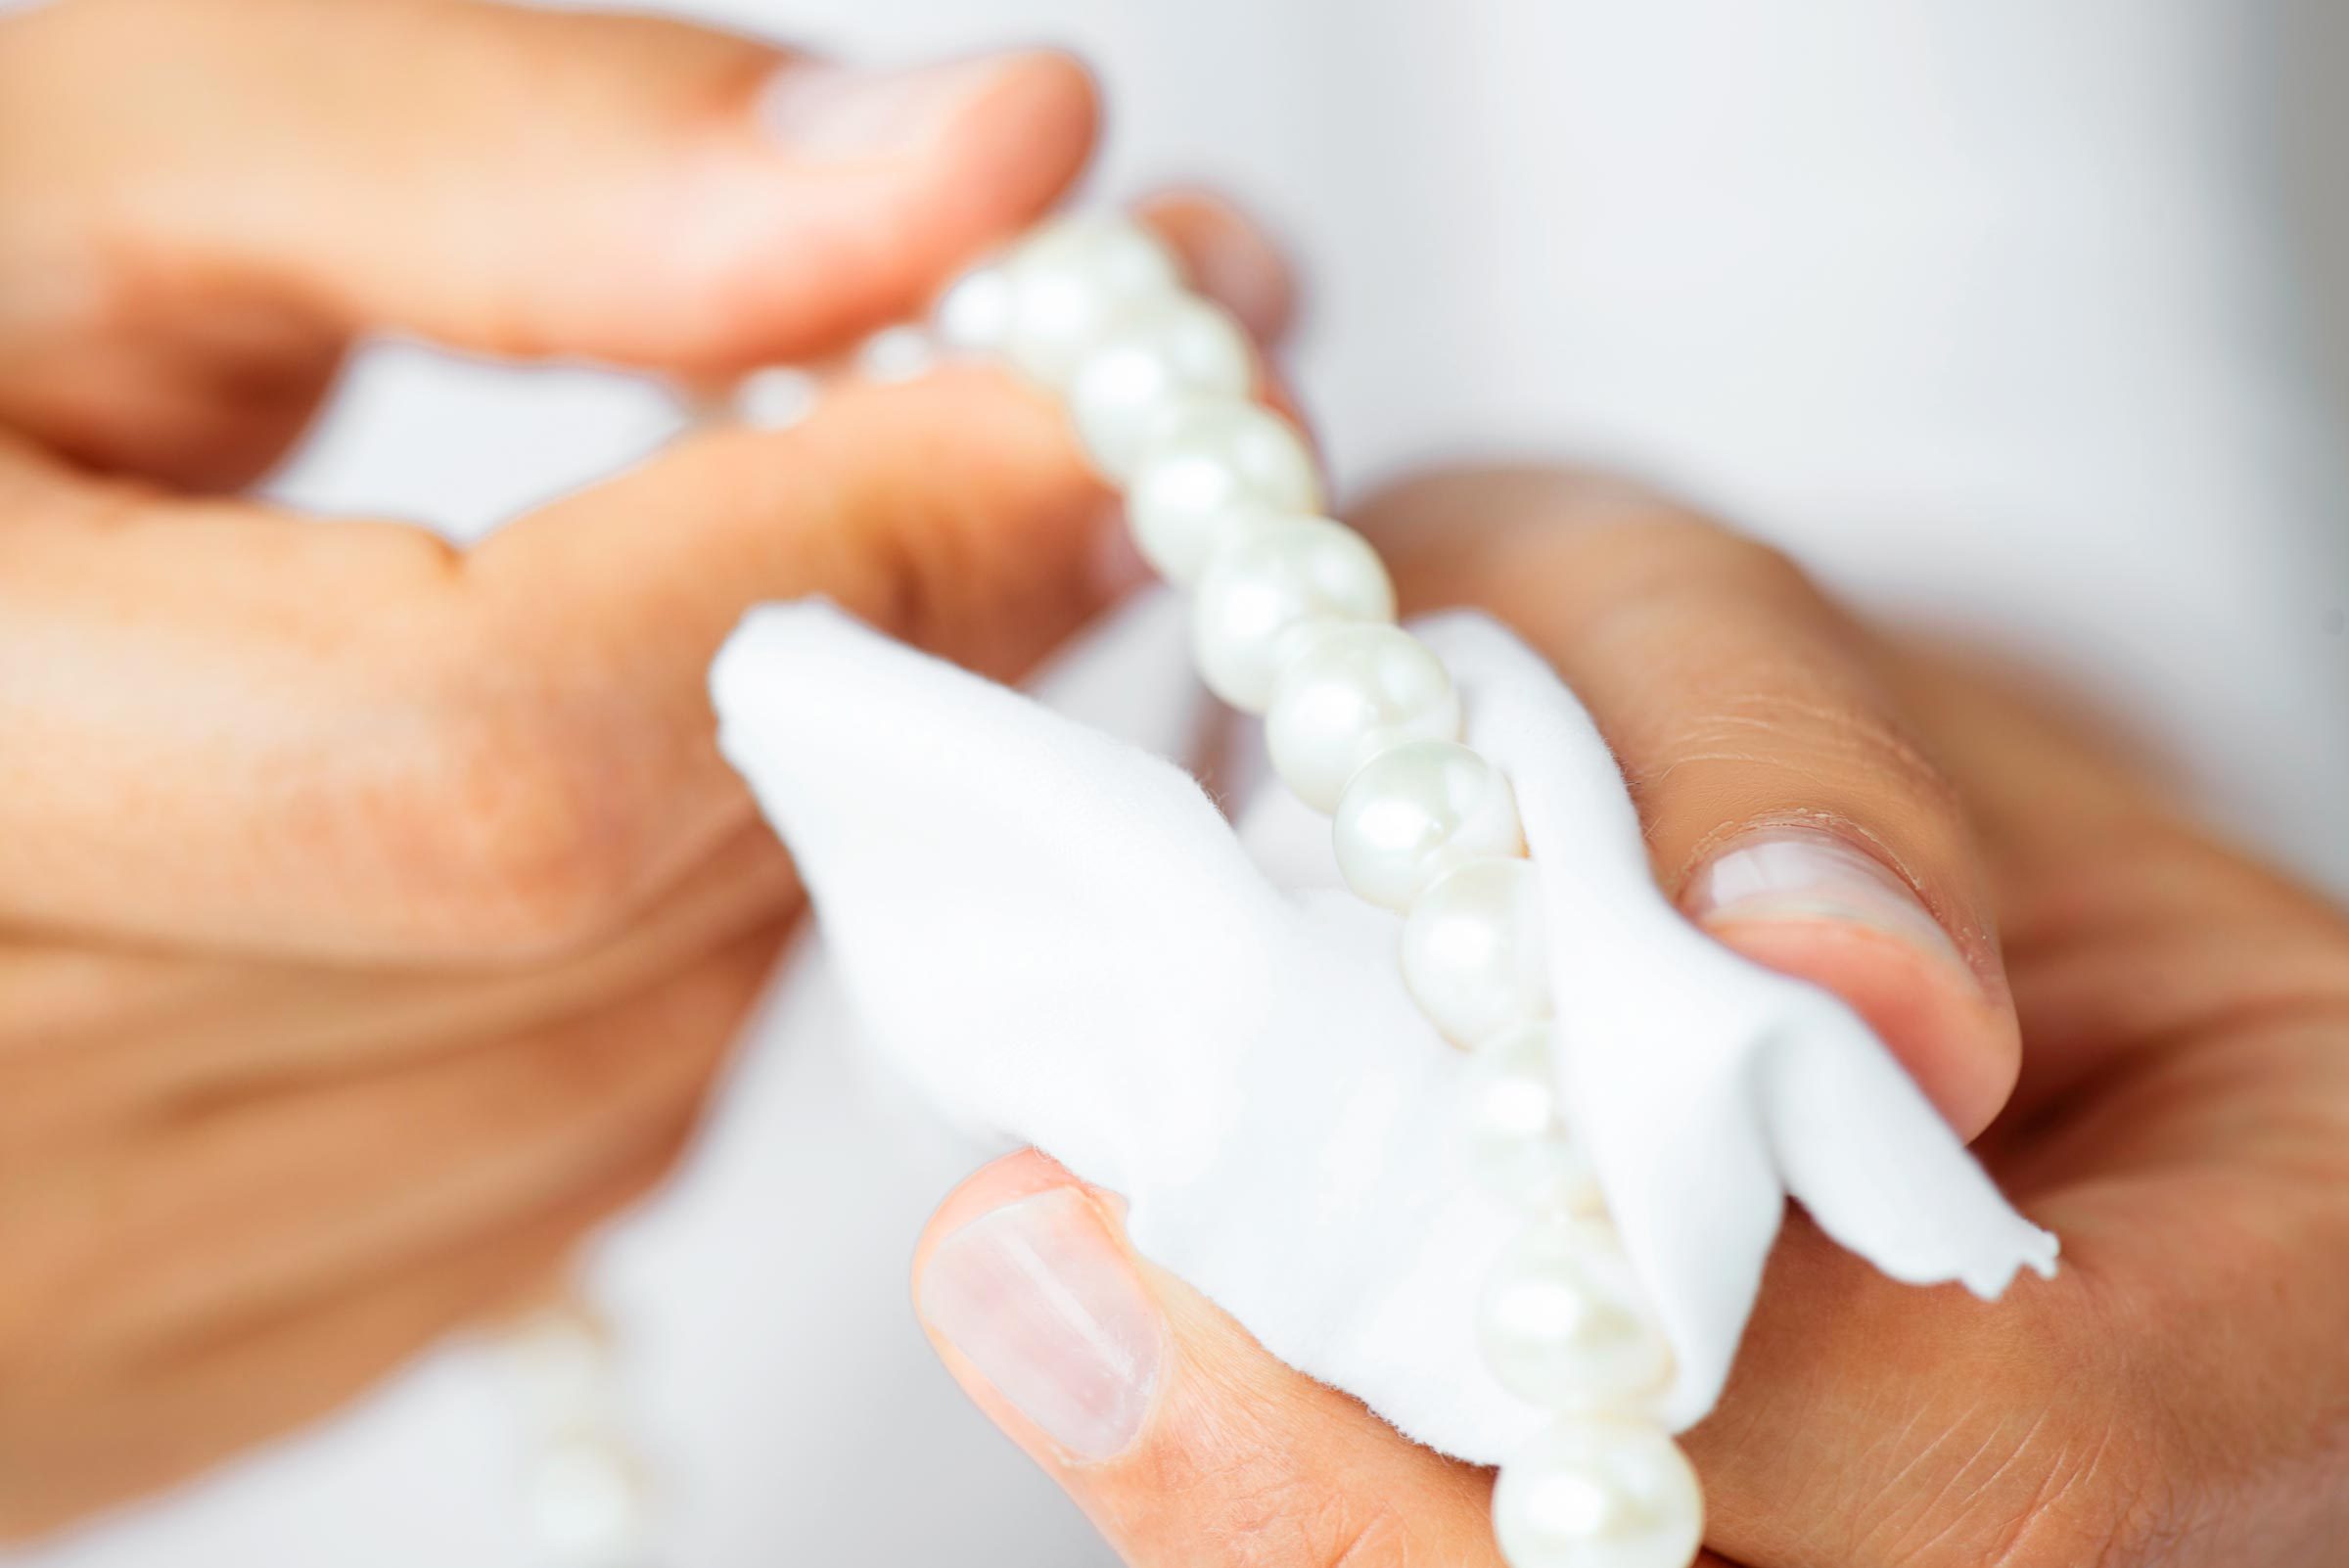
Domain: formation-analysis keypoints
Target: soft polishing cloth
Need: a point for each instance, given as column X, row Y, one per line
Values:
column 1058, row 936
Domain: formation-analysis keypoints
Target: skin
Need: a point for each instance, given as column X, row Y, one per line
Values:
column 374, row 914
column 2178, row 1113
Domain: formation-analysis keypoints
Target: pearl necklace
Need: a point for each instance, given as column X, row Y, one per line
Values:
column 1293, row 617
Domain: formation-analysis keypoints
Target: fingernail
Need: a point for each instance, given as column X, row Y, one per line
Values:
column 1117, row 566
column 1803, row 874
column 838, row 114
column 1044, row 1303
column 1235, row 262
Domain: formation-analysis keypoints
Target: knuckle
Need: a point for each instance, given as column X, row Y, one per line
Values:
column 1242, row 1496
column 2057, row 1500
column 1372, row 1535
column 1820, row 744
column 2047, row 1481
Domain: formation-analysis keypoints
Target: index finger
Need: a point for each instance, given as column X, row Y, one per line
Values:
column 1787, row 805
column 520, row 180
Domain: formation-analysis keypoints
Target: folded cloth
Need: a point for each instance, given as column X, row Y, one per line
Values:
column 1057, row 935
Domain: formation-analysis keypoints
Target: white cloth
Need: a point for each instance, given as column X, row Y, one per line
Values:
column 1058, row 936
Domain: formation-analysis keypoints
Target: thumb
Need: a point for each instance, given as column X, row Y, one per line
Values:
column 524, row 181
column 1187, row 1442
column 381, row 747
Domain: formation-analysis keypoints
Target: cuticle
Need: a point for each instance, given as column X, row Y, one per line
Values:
column 1973, row 943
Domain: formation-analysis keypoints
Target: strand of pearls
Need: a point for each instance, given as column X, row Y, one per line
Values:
column 587, row 1488
column 1294, row 618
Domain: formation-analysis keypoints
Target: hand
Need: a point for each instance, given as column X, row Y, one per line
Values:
column 1852, row 809
column 372, row 915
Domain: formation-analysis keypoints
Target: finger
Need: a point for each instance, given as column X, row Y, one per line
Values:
column 2152, row 1404
column 2181, row 1124
column 1227, row 256
column 1788, row 806
column 2149, row 1404
column 1187, row 1445
column 2127, row 924
column 509, row 179
column 224, row 1209
column 380, row 748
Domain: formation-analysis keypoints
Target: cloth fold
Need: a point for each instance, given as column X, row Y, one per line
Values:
column 1058, row 936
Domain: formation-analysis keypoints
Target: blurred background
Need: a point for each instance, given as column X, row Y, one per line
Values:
column 2024, row 320
column 2312, row 126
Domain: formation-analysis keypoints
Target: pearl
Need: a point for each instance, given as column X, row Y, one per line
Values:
column 1512, row 1137
column 1350, row 693
column 1599, row 1494
column 1268, row 589
column 1415, row 811
column 975, row 316
column 1563, row 1324
column 1070, row 282
column 1158, row 355
column 1211, row 464
column 589, row 1506
column 1472, row 950
column 776, row 397
column 899, row 353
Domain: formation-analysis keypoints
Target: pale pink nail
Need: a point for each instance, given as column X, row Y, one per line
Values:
column 1805, row 874
column 841, row 113
column 1117, row 566
column 1045, row 1307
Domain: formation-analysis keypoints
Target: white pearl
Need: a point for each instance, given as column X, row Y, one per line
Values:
column 897, row 353
column 974, row 316
column 1158, row 355
column 1472, row 950
column 1269, row 588
column 1511, row 1134
column 1070, row 282
column 1414, row 812
column 776, row 397
column 1211, row 464
column 1350, row 693
column 590, row 1505
column 1563, row 1324
column 1599, row 1494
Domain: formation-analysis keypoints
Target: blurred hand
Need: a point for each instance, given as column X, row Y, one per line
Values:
column 373, row 915
column 1853, row 811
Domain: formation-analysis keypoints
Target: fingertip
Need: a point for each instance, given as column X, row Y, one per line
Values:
column 1230, row 257
column 1064, row 102
column 1039, row 103
column 1026, row 1290
column 1809, row 900
column 992, row 1185
column 1021, row 139
column 841, row 197
column 1959, row 1042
